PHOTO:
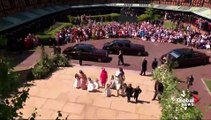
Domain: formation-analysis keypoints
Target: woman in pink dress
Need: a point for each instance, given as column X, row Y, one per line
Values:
column 103, row 77
column 83, row 80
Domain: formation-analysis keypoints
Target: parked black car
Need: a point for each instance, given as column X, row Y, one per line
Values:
column 126, row 46
column 88, row 52
column 184, row 57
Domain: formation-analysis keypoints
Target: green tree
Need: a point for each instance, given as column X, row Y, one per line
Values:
column 149, row 14
column 11, row 99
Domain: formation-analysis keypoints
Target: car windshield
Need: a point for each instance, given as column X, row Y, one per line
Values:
column 84, row 47
column 175, row 54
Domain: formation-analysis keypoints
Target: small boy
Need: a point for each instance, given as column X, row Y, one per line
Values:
column 137, row 91
column 123, row 91
column 129, row 92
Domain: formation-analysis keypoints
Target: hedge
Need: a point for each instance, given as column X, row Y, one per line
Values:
column 51, row 32
column 48, row 64
column 171, row 108
column 106, row 17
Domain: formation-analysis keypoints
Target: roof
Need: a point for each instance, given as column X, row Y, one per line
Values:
column 24, row 17
column 121, row 41
column 183, row 50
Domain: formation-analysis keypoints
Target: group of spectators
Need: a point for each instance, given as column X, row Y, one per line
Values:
column 144, row 30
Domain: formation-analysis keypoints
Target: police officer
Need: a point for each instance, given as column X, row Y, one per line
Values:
column 121, row 59
column 190, row 80
column 80, row 57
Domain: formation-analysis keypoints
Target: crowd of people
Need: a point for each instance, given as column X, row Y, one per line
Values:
column 154, row 32
column 117, row 82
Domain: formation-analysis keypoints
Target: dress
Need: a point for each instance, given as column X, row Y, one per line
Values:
column 83, row 82
column 118, row 79
column 77, row 83
column 103, row 77
column 96, row 84
column 90, row 87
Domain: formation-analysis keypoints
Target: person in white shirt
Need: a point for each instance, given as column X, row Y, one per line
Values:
column 107, row 90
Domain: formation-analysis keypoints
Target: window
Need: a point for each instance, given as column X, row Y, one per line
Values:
column 175, row 54
column 127, row 45
column 120, row 45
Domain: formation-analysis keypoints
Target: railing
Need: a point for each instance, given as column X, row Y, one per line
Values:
column 7, row 7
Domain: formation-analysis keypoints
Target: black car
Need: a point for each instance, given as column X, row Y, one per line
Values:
column 126, row 46
column 88, row 52
column 185, row 57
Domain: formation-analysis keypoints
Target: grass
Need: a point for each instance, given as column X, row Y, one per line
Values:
column 169, row 25
column 51, row 32
column 208, row 83
column 56, row 27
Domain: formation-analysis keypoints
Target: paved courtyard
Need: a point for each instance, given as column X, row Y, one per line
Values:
column 56, row 93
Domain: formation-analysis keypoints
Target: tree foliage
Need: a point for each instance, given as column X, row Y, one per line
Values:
column 11, row 99
column 171, row 107
column 149, row 14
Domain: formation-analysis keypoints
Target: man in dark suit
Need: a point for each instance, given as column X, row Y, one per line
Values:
column 154, row 64
column 158, row 89
column 80, row 58
column 144, row 67
column 121, row 59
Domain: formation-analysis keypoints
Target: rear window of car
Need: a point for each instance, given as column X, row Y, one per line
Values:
column 175, row 54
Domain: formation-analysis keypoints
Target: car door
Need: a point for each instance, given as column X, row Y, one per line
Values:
column 127, row 49
column 74, row 53
column 114, row 49
column 120, row 46
column 187, row 60
column 197, row 59
column 87, row 53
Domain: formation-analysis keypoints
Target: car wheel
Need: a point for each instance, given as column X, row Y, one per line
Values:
column 139, row 53
column 99, row 59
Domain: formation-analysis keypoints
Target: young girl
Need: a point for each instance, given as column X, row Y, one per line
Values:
column 90, row 86
column 77, row 83
column 107, row 90
column 112, row 82
column 83, row 79
column 96, row 83
column 103, row 77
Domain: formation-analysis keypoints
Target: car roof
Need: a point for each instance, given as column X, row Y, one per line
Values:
column 121, row 41
column 82, row 45
column 185, row 51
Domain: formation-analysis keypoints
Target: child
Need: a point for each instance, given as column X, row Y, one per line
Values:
column 107, row 90
column 129, row 92
column 103, row 77
column 137, row 91
column 96, row 83
column 123, row 91
column 112, row 82
column 91, row 86
column 77, row 83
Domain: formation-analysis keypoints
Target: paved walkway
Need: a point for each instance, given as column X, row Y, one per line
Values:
column 57, row 93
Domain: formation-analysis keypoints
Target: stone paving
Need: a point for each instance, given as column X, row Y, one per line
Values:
column 56, row 93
